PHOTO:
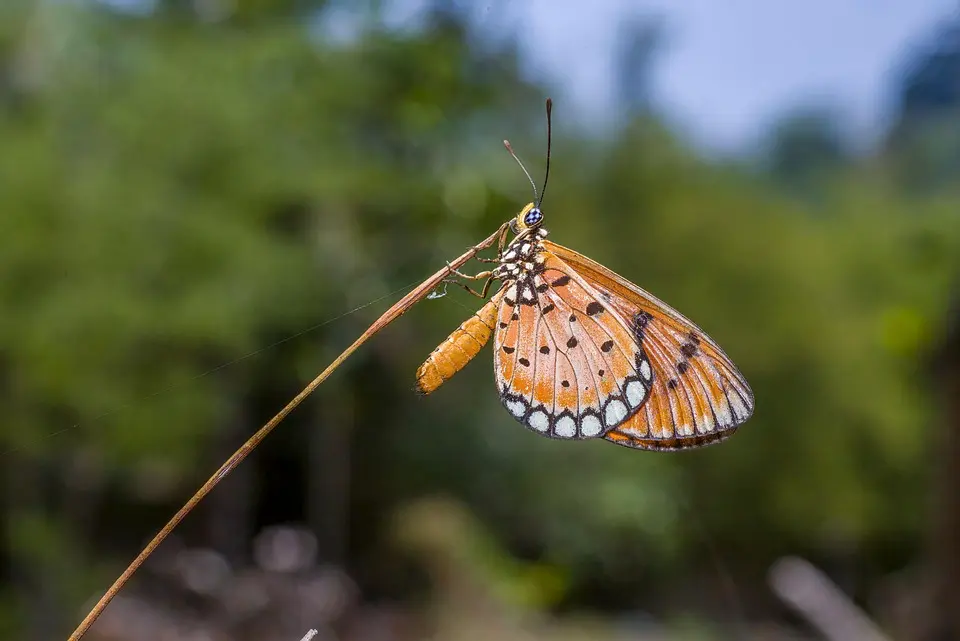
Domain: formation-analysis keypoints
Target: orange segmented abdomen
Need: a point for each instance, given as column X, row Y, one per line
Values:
column 461, row 346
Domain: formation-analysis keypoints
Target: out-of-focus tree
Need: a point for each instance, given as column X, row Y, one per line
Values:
column 640, row 39
column 806, row 149
column 237, row 12
column 942, row 620
column 924, row 141
column 931, row 82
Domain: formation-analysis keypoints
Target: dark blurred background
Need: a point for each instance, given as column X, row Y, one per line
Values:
column 186, row 182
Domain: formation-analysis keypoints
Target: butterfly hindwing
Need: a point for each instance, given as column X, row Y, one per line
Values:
column 515, row 360
column 567, row 363
column 698, row 396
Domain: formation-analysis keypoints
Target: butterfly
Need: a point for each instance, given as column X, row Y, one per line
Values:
column 581, row 352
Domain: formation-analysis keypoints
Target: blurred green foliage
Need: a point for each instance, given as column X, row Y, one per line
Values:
column 178, row 193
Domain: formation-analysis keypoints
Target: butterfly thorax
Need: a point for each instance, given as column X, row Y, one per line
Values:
column 522, row 258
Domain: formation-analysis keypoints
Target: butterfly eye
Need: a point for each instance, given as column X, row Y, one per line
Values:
column 533, row 217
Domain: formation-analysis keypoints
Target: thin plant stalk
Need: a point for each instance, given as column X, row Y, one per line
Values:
column 388, row 317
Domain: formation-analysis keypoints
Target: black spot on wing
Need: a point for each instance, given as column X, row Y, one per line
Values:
column 640, row 322
column 594, row 308
column 527, row 295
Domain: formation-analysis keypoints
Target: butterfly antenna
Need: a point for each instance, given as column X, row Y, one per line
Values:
column 536, row 199
column 549, row 132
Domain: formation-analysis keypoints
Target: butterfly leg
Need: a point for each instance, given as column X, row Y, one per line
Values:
column 482, row 293
column 478, row 276
column 501, row 243
column 488, row 275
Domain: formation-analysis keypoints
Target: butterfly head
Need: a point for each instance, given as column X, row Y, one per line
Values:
column 530, row 217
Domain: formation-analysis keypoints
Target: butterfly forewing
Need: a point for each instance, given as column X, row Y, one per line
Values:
column 567, row 363
column 667, row 444
column 698, row 396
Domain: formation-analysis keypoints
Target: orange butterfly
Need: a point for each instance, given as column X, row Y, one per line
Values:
column 581, row 352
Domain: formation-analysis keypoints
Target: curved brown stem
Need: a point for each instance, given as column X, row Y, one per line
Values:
column 388, row 317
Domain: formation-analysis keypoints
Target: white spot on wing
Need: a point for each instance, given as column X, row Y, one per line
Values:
column 645, row 369
column 724, row 419
column 512, row 292
column 528, row 293
column 615, row 412
column 739, row 408
column 707, row 423
column 566, row 427
column 516, row 408
column 636, row 392
column 590, row 426
column 539, row 421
